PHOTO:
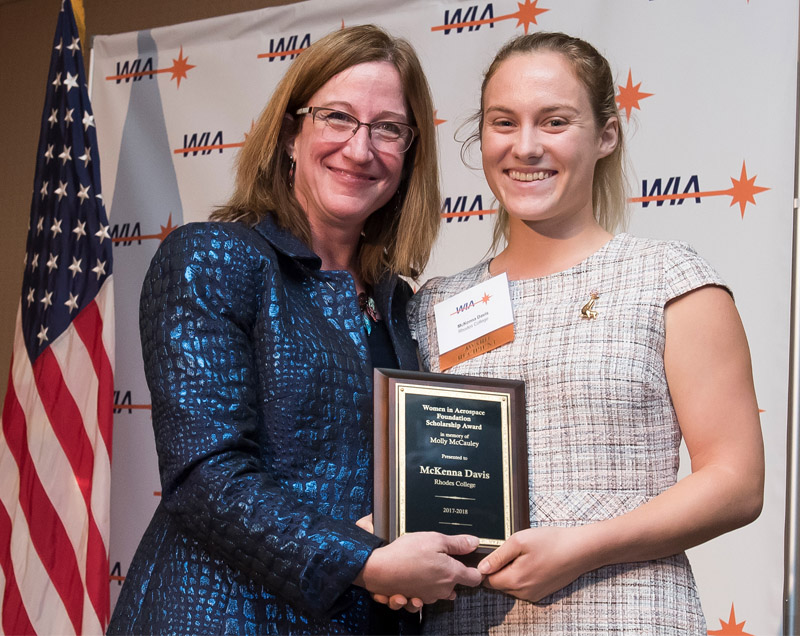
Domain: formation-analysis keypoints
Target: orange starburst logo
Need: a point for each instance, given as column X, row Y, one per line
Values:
column 629, row 96
column 527, row 13
column 247, row 134
column 166, row 229
column 744, row 190
column 731, row 628
column 180, row 67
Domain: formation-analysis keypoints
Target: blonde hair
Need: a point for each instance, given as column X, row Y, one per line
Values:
column 609, row 187
column 399, row 236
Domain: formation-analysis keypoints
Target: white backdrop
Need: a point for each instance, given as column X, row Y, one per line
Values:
column 708, row 92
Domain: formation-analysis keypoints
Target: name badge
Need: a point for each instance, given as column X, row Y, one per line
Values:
column 473, row 322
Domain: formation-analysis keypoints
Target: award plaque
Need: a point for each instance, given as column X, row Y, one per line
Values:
column 450, row 456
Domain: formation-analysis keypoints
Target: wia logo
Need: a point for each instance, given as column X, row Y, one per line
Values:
column 457, row 209
column 288, row 47
column 202, row 143
column 470, row 19
column 116, row 574
column 134, row 70
column 125, row 235
column 471, row 304
column 123, row 401
column 743, row 191
column 475, row 16
column 672, row 185
column 465, row 306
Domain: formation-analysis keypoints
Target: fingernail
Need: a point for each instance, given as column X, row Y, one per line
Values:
column 483, row 567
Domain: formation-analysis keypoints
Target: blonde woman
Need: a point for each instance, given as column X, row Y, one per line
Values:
column 626, row 345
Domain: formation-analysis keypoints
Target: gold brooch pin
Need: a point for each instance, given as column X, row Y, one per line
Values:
column 588, row 312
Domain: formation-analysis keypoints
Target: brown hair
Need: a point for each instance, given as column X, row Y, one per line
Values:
column 609, row 188
column 399, row 236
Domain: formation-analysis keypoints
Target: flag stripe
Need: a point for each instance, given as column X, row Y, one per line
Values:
column 15, row 619
column 65, row 419
column 97, row 588
column 89, row 325
column 39, row 599
column 74, row 359
column 47, row 533
column 48, row 458
column 67, row 423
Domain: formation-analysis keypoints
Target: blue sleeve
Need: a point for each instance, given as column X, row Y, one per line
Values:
column 200, row 302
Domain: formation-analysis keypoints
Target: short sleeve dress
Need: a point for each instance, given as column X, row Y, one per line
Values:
column 603, row 437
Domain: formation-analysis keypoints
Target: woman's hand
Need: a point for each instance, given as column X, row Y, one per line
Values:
column 418, row 565
column 365, row 523
column 534, row 563
column 398, row 602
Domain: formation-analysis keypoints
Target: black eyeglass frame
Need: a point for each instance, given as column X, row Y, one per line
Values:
column 313, row 110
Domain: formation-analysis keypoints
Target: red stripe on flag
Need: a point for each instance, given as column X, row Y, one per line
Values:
column 97, row 574
column 14, row 617
column 47, row 533
column 66, row 421
column 89, row 325
column 12, row 611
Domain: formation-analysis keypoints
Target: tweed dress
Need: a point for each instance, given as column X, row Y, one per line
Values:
column 603, row 437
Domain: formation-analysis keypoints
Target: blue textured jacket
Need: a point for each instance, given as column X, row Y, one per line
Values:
column 261, row 388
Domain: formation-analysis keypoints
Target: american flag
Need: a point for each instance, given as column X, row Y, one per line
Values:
column 55, row 432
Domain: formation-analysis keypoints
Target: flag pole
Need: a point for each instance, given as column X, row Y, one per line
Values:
column 791, row 558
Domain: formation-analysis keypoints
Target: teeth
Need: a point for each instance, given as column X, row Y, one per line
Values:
column 528, row 176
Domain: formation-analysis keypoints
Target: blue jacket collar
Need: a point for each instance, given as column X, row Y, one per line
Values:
column 384, row 291
column 283, row 241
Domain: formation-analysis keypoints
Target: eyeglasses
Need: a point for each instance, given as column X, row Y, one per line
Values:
column 386, row 136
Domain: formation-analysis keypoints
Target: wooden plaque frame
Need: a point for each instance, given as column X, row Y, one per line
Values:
column 406, row 500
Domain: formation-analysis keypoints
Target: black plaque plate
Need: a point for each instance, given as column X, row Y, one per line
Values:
column 450, row 456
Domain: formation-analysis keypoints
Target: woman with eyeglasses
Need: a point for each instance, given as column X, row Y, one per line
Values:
column 260, row 331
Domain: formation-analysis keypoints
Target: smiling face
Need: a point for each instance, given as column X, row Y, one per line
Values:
column 540, row 141
column 339, row 184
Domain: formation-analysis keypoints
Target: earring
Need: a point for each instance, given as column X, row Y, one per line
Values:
column 292, row 165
